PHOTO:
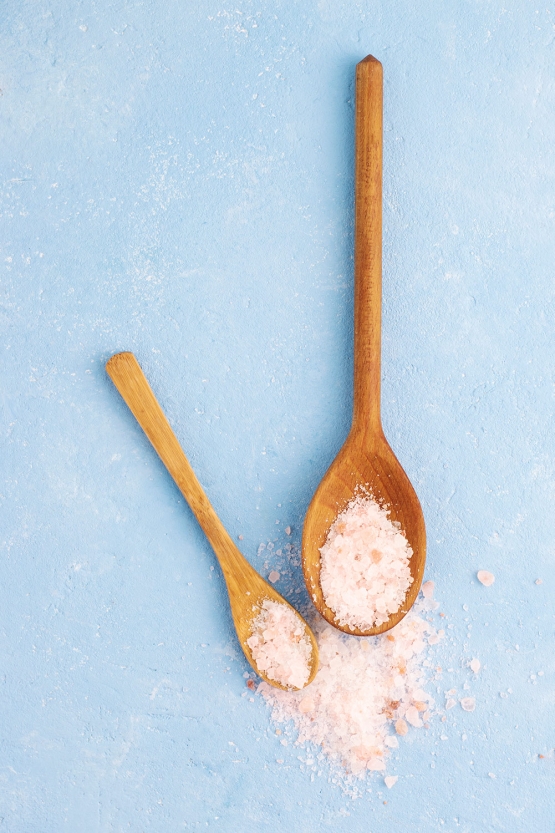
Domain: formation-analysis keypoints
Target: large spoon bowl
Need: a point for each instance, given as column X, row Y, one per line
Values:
column 366, row 464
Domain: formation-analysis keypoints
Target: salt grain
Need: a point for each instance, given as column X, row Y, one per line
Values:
column 280, row 646
column 390, row 781
column 365, row 688
column 428, row 589
column 468, row 704
column 365, row 571
column 274, row 576
column 485, row 577
column 475, row 665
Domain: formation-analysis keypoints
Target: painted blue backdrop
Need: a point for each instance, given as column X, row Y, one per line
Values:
column 177, row 181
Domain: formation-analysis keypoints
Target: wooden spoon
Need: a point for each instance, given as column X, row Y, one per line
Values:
column 366, row 460
column 247, row 590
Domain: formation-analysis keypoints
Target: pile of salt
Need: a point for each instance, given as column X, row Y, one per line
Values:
column 365, row 571
column 280, row 646
column 367, row 693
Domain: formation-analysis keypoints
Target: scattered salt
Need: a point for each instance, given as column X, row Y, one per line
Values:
column 363, row 690
column 450, row 703
column 468, row 704
column 274, row 576
column 538, row 581
column 485, row 577
column 280, row 646
column 428, row 589
column 390, row 781
column 475, row 665
column 365, row 571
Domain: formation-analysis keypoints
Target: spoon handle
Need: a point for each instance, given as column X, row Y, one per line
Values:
column 368, row 244
column 128, row 377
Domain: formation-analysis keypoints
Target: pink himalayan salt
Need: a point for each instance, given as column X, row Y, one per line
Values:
column 390, row 781
column 428, row 589
column 365, row 689
column 274, row 576
column 468, row 704
column 485, row 577
column 279, row 645
column 364, row 571
column 475, row 665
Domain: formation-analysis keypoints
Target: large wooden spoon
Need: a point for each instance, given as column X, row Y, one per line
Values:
column 247, row 590
column 366, row 460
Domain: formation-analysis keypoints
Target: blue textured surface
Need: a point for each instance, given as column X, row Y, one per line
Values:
column 177, row 181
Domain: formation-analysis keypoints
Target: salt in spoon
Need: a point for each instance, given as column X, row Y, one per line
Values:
column 366, row 463
column 247, row 589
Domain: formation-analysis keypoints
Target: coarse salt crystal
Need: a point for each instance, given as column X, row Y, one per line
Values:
column 428, row 589
column 468, row 704
column 365, row 572
column 475, row 665
column 274, row 576
column 450, row 703
column 485, row 577
column 280, row 646
column 390, row 781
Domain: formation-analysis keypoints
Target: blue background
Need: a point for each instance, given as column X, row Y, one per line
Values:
column 177, row 181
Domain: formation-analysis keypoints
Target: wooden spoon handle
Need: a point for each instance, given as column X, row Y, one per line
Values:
column 128, row 377
column 368, row 244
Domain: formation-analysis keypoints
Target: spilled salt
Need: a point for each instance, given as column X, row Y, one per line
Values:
column 475, row 665
column 280, row 646
column 468, row 704
column 485, row 577
column 390, row 781
column 365, row 571
column 368, row 693
column 274, row 576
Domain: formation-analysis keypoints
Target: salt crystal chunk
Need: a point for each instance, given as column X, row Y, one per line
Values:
column 485, row 577
column 468, row 704
column 475, row 665
column 375, row 764
column 274, row 576
column 401, row 727
column 306, row 705
column 450, row 703
column 413, row 717
column 538, row 581
column 288, row 530
column 428, row 589
column 392, row 742
column 390, row 781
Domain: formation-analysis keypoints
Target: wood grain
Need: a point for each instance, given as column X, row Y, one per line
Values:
column 366, row 460
column 247, row 589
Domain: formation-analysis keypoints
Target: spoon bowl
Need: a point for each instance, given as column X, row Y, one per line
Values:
column 247, row 589
column 366, row 465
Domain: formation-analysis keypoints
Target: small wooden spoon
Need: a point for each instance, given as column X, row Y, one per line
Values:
column 247, row 590
column 366, row 461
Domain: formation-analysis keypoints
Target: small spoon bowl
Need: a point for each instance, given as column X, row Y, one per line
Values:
column 247, row 589
column 366, row 464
